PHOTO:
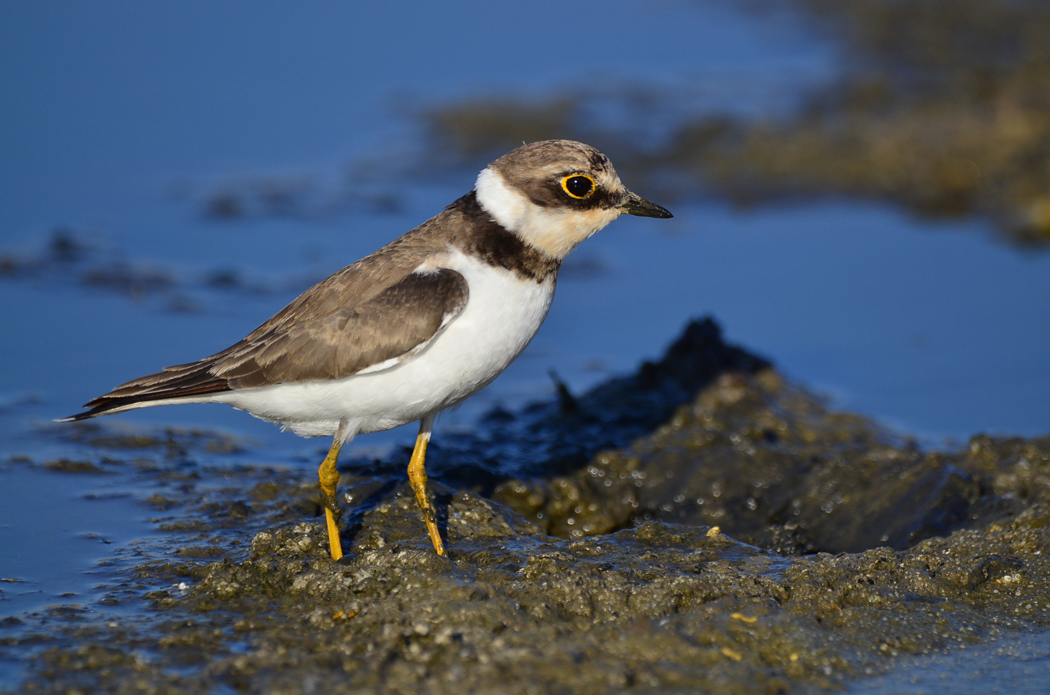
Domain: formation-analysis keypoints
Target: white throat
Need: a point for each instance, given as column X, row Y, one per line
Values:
column 554, row 230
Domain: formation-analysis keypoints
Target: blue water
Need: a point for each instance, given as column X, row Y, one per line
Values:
column 67, row 526
column 1014, row 664
column 118, row 120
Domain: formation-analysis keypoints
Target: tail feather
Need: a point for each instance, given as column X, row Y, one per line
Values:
column 181, row 381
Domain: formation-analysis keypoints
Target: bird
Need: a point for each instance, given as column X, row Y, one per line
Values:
column 414, row 328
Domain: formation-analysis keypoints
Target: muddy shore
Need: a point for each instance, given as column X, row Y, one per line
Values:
column 700, row 525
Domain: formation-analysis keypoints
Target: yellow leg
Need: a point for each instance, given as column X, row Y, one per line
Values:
column 417, row 477
column 329, row 478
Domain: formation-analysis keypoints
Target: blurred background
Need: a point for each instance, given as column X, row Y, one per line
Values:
column 861, row 191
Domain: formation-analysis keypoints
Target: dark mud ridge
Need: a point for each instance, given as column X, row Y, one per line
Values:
column 701, row 525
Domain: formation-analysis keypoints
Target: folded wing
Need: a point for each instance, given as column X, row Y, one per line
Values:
column 312, row 339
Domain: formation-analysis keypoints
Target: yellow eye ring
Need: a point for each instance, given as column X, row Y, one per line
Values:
column 578, row 186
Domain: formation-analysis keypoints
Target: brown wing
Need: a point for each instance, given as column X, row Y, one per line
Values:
column 394, row 324
column 310, row 340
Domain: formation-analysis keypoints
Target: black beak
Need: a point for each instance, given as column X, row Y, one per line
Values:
column 636, row 205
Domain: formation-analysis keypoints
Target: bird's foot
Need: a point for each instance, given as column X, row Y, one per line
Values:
column 417, row 477
column 329, row 478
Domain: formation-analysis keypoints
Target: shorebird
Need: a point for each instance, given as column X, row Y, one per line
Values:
column 418, row 326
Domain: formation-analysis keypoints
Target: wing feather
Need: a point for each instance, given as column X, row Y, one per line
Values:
column 395, row 323
column 314, row 338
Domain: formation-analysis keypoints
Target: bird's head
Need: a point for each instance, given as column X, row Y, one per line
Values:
column 556, row 193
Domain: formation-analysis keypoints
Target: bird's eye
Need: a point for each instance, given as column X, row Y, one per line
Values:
column 578, row 186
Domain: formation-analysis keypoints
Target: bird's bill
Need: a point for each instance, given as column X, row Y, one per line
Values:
column 634, row 204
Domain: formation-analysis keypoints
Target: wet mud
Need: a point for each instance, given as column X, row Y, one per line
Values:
column 701, row 525
column 945, row 109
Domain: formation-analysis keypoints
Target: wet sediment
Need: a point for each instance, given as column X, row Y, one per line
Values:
column 750, row 540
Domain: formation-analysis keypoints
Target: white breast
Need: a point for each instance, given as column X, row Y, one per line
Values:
column 502, row 314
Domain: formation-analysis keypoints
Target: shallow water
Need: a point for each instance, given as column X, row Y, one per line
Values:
column 64, row 530
column 1017, row 664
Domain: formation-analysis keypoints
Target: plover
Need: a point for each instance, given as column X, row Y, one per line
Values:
column 416, row 327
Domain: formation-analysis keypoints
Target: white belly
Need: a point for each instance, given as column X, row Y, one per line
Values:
column 502, row 314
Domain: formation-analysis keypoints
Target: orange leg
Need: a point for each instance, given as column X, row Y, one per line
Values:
column 417, row 477
column 329, row 478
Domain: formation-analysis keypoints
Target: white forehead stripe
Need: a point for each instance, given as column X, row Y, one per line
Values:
column 507, row 206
